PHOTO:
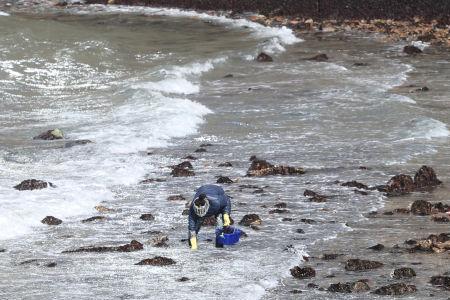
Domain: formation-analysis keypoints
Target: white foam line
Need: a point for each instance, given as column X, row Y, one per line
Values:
column 3, row 14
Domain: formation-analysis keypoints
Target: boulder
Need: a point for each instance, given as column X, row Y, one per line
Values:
column 425, row 177
column 314, row 197
column 224, row 179
column 225, row 164
column 421, row 208
column 403, row 273
column 395, row 289
column 157, row 261
column 260, row 167
column 251, row 219
column 92, row 219
column 319, row 57
column 303, row 273
column 361, row 265
column 355, row 184
column 441, row 281
column 441, row 219
column 50, row 220
column 263, row 57
column 147, row 217
column 176, row 198
column 411, row 50
column 53, row 134
column 131, row 247
column 400, row 184
column 33, row 184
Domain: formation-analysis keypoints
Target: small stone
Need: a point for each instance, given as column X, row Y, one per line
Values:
column 263, row 57
column 51, row 265
column 361, row 265
column 421, row 208
column 224, row 179
column 319, row 57
column 95, row 218
column 225, row 164
column 160, row 241
column 411, row 50
column 331, row 256
column 103, row 209
column 308, row 221
column 280, row 205
column 377, row 247
column 403, row 273
column 228, row 76
column 77, row 143
column 176, row 198
column 54, row 134
column 250, row 219
column 303, row 273
column 206, row 145
column 287, row 220
column 157, row 261
column 190, row 157
column 183, row 279
column 200, row 150
column 441, row 281
column 296, row 292
column 50, row 220
column 395, row 289
column 278, row 211
column 147, row 217
column 312, row 286
column 314, row 197
column 33, row 184
column 355, row 184
column 340, row 288
column 301, row 231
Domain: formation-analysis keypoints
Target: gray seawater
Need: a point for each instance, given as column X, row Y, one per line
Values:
column 147, row 87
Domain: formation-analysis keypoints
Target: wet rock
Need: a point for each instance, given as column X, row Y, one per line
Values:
column 441, row 208
column 180, row 172
column 147, row 217
column 206, row 145
column 152, row 180
column 278, row 211
column 303, row 273
column 160, row 241
column 176, row 198
column 260, row 167
column 340, row 288
column 225, row 164
column 422, row 89
column 224, row 179
column 280, row 205
column 33, row 184
column 308, row 221
column 103, row 209
column 77, row 143
column 425, row 177
column 411, row 50
column 263, row 57
column 92, row 219
column 296, row 291
column 355, row 184
column 183, row 279
column 441, row 219
column 377, row 247
column 258, row 191
column 54, row 134
column 330, row 256
column 361, row 265
column 399, row 185
column 319, row 57
column 51, row 265
column 441, row 281
column 190, row 157
column 2, row 250
column 312, row 286
column 250, row 219
column 157, row 261
column 228, row 76
column 29, row 262
column 360, row 286
column 361, row 64
column 395, row 289
column 287, row 220
column 361, row 192
column 421, row 207
column 50, row 220
column 401, row 211
column 314, row 197
column 131, row 247
column 301, row 231
column 183, row 165
column 403, row 273
column 185, row 212
column 200, row 150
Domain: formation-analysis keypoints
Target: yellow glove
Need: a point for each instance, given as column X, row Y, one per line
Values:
column 193, row 241
column 226, row 220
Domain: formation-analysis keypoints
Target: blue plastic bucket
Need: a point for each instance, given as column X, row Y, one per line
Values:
column 228, row 238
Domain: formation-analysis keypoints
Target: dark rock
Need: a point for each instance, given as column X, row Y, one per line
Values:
column 301, row 231
column 280, row 205
column 200, row 150
column 399, row 185
column 54, row 134
column 252, row 158
column 314, row 197
column 278, row 211
column 403, row 273
column 355, row 184
column 441, row 219
column 190, row 157
column 441, row 281
column 421, row 208
column 179, row 172
column 228, row 76
column 425, row 177
column 225, row 164
column 224, row 179
column 183, row 279
column 361, row 265
column 258, row 191
column 157, row 261
column 296, row 292
column 422, row 89
column 131, row 247
column 2, row 250
column 360, row 286
column 381, row 188
column 206, row 145
column 51, row 265
column 261, row 167
column 340, row 288
column 185, row 212
column 319, row 57
column 388, row 213
column 330, row 256
column 176, row 198
column 151, row 180
column 312, row 286
column 77, row 143
column 308, row 221
column 361, row 192
column 50, row 220
column 160, row 241
column 441, row 208
column 33, row 184
column 411, row 50
column 183, row 165
column 209, row 221
column 395, row 289
column 147, row 217
column 95, row 218
column 29, row 262
column 287, row 220
column 302, row 273
column 361, row 64
column 263, row 57
column 251, row 219
column 401, row 211
column 377, row 247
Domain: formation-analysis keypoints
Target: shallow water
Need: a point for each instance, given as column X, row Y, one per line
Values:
column 148, row 81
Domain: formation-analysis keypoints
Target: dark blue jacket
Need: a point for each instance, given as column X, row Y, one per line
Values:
column 219, row 203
